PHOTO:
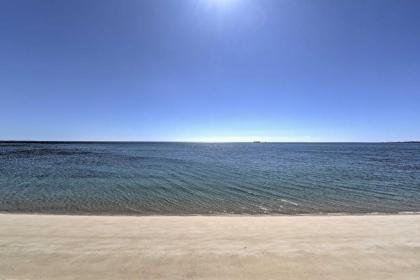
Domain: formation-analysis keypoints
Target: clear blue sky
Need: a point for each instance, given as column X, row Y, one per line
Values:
column 210, row 70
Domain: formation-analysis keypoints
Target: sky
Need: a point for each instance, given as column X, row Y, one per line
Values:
column 210, row 70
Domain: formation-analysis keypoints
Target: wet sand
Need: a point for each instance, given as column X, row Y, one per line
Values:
column 214, row 247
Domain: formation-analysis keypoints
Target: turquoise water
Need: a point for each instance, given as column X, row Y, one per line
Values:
column 196, row 178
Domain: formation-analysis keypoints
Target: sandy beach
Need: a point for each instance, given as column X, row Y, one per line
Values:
column 197, row 247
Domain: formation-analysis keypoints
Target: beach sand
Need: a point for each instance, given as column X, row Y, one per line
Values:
column 213, row 247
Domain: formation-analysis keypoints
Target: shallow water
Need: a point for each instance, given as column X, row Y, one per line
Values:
column 197, row 178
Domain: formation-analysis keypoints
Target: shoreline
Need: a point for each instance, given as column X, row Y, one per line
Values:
column 337, row 214
column 34, row 246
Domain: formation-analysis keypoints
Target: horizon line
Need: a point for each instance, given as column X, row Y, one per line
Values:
column 209, row 142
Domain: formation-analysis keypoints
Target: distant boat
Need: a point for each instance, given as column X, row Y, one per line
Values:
column 256, row 142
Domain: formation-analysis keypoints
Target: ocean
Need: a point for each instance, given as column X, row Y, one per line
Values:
column 159, row 178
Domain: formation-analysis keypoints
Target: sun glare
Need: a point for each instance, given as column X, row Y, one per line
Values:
column 219, row 3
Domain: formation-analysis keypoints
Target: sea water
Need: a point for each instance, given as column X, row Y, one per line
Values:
column 209, row 178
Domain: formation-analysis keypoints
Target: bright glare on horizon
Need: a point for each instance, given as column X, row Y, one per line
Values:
column 219, row 3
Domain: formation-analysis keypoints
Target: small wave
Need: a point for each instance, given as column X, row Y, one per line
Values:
column 289, row 202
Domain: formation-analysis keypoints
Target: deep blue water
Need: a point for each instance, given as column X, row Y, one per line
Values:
column 196, row 178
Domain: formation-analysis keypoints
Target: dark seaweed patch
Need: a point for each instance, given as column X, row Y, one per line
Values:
column 45, row 152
